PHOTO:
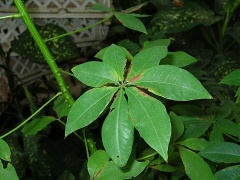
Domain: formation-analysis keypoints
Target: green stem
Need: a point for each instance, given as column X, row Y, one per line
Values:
column 45, row 51
column 30, row 117
column 85, row 142
column 68, row 73
column 76, row 134
column 82, row 29
column 11, row 16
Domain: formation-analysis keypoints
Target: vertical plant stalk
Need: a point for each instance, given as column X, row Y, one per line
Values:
column 23, row 13
column 45, row 51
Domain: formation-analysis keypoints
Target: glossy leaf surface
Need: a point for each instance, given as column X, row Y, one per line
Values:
column 5, row 152
column 8, row 172
column 151, row 120
column 224, row 152
column 195, row 143
column 97, row 162
column 172, row 83
column 88, row 107
column 115, row 57
column 101, row 169
column 131, row 22
column 178, row 59
column 117, row 131
column 196, row 168
column 145, row 59
column 229, row 173
column 232, row 79
column 95, row 74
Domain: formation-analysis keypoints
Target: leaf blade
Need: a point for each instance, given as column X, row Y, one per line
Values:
column 131, row 22
column 95, row 74
column 172, row 83
column 5, row 152
column 88, row 107
column 145, row 59
column 37, row 125
column 195, row 167
column 226, row 152
column 115, row 57
column 117, row 131
column 150, row 119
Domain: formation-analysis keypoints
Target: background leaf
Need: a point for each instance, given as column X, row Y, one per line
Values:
column 115, row 57
column 195, row 143
column 226, row 152
column 172, row 83
column 61, row 107
column 150, row 118
column 88, row 107
column 8, row 172
column 229, row 173
column 177, row 126
column 196, row 168
column 132, row 169
column 95, row 74
column 5, row 152
column 178, row 59
column 97, row 162
column 159, row 42
column 232, row 79
column 131, row 22
column 37, row 125
column 117, row 131
column 145, row 59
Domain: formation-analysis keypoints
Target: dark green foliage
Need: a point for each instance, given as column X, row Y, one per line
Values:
column 62, row 49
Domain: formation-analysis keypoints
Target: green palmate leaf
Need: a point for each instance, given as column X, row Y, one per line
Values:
column 150, row 118
column 95, row 74
column 61, row 107
column 195, row 143
column 179, row 59
column 172, row 83
column 115, row 57
column 117, row 131
column 229, row 173
column 88, row 107
column 97, row 162
column 222, row 152
column 5, row 152
column 145, row 59
column 196, row 168
column 8, row 172
column 131, row 22
column 232, row 79
column 37, row 125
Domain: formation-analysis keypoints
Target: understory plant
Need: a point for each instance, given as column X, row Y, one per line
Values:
column 147, row 108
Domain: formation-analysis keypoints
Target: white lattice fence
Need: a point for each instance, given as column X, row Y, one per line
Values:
column 68, row 14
